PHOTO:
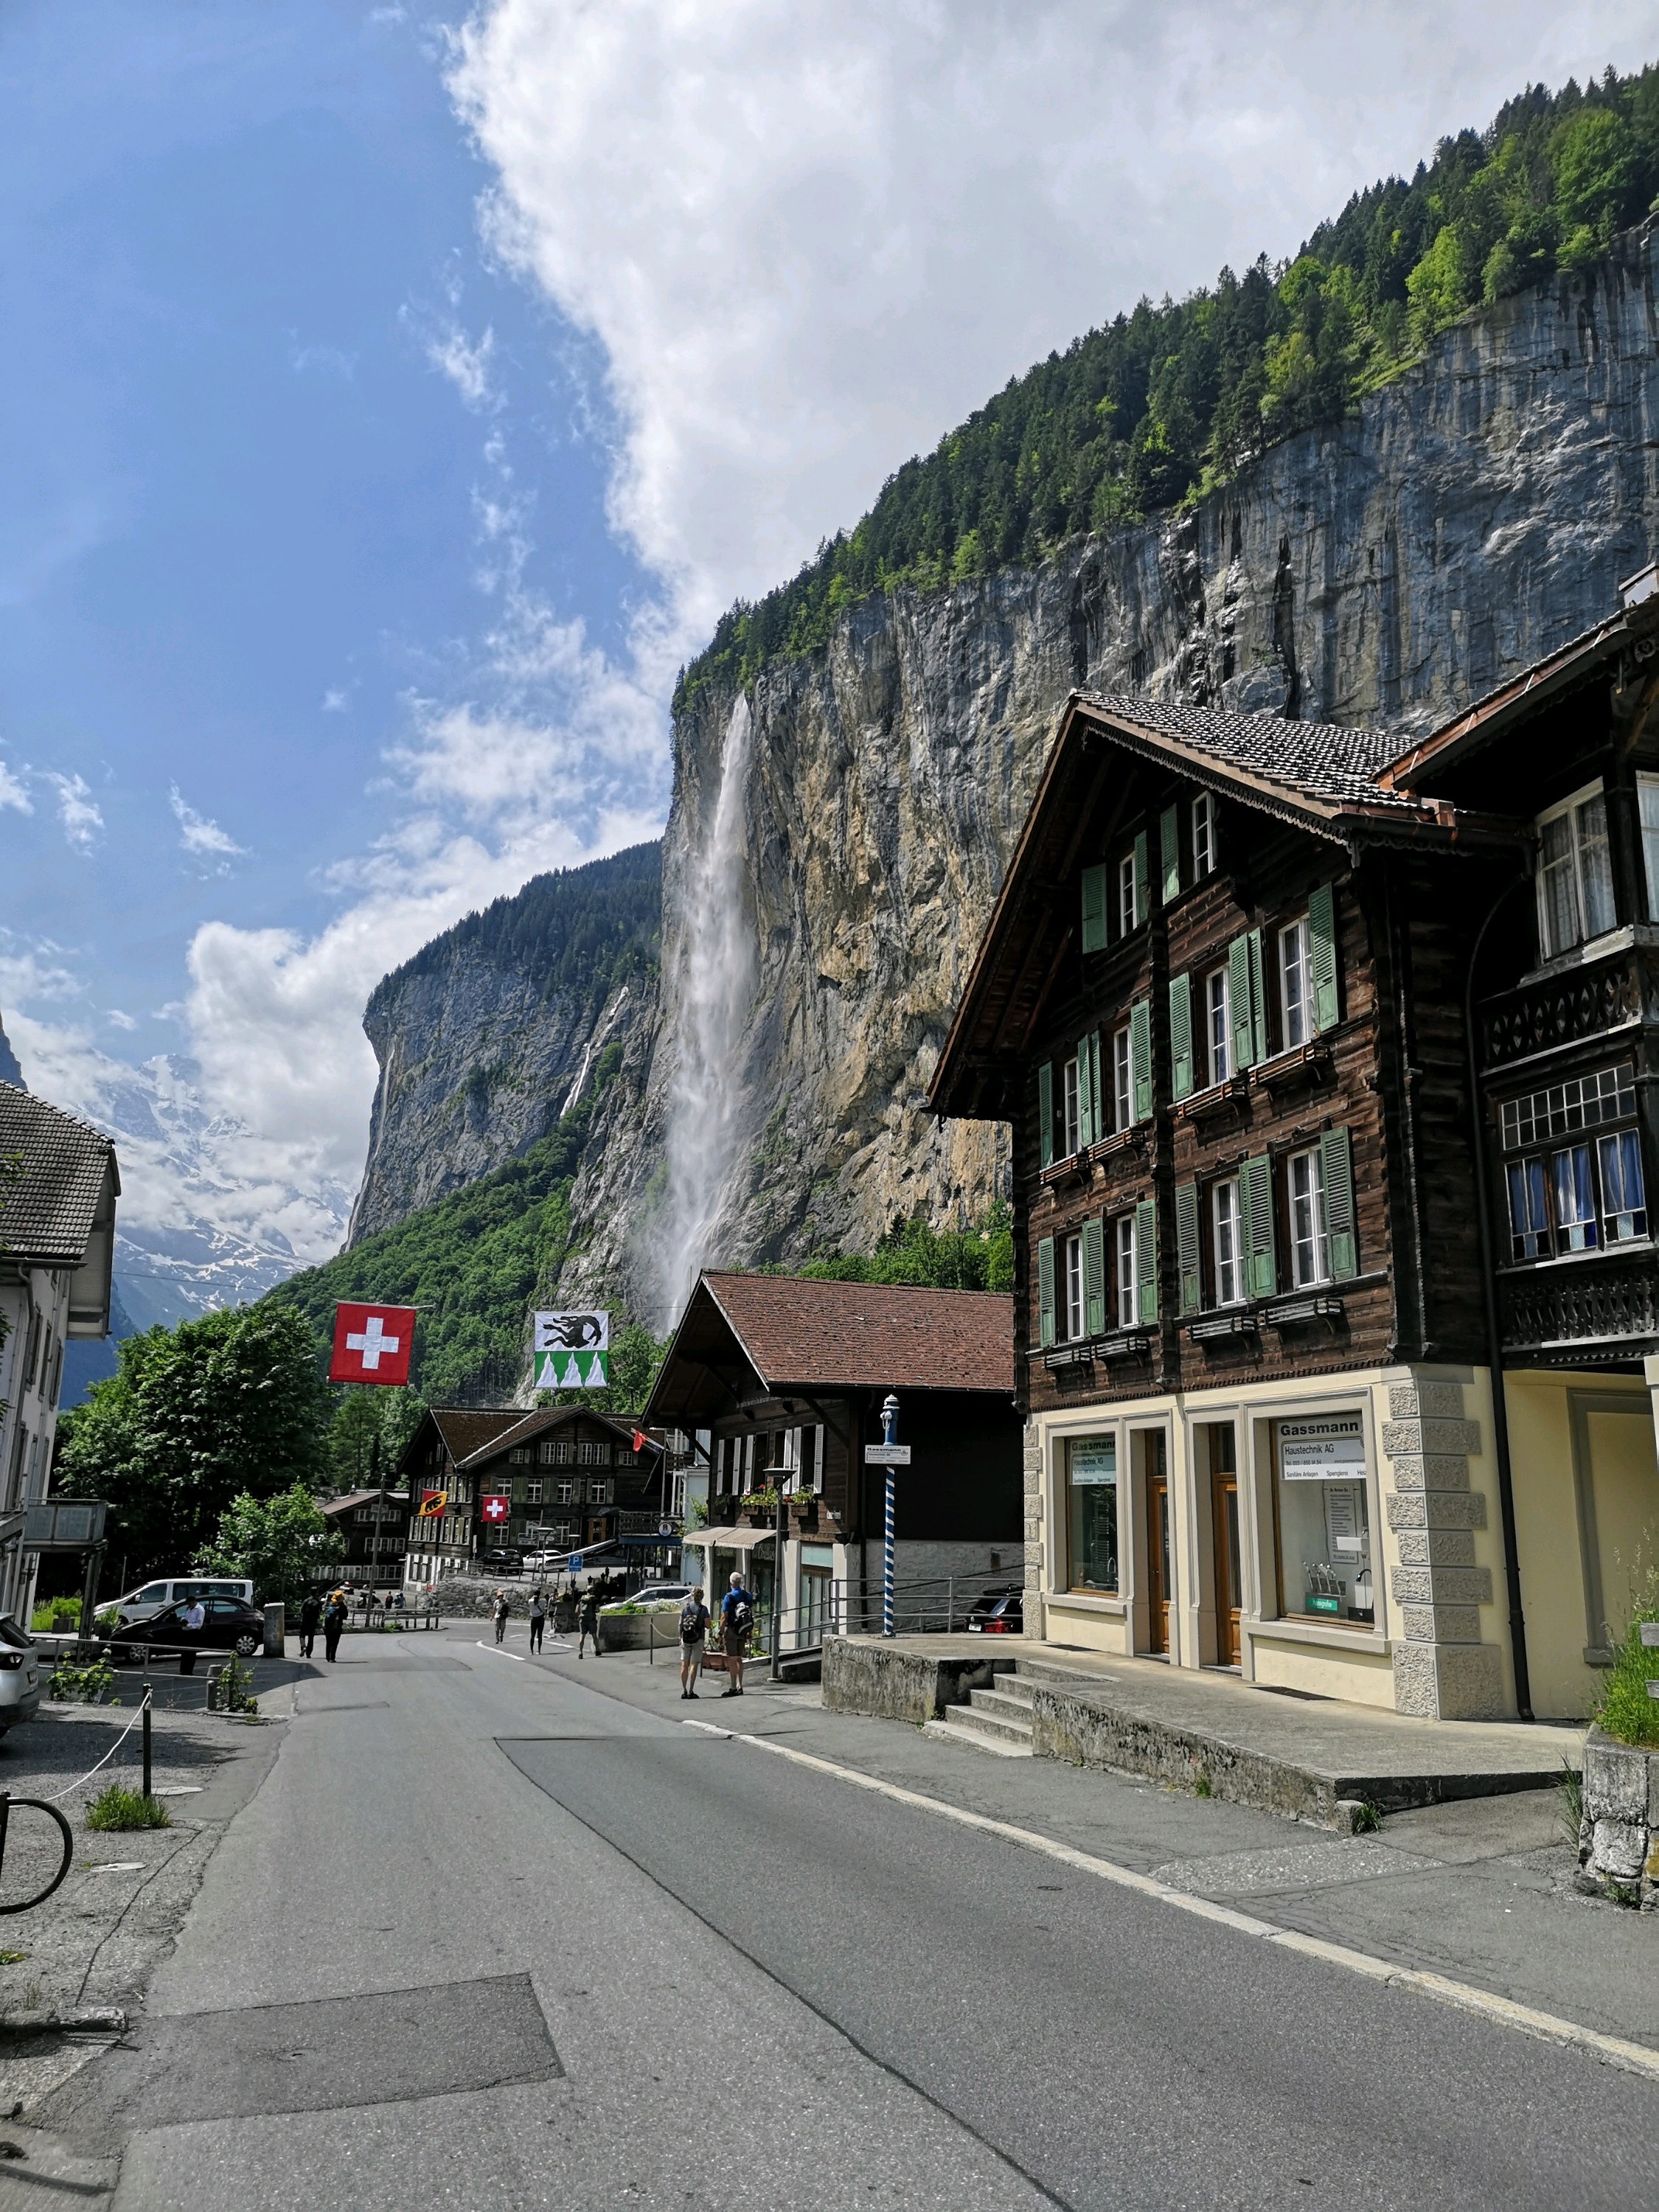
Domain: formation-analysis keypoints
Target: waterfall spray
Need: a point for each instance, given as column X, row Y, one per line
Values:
column 716, row 984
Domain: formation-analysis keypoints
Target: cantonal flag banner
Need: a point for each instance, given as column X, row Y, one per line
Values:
column 496, row 1507
column 372, row 1344
column 433, row 1504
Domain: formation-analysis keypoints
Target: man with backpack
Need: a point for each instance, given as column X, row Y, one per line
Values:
column 537, row 1620
column 736, row 1618
column 590, row 1623
column 694, row 1629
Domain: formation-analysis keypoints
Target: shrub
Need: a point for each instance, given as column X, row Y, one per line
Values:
column 118, row 1806
column 1626, row 1712
column 81, row 1686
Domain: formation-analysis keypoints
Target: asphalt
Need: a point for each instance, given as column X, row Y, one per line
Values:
column 508, row 1933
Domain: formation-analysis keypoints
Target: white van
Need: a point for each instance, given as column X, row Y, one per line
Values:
column 138, row 1604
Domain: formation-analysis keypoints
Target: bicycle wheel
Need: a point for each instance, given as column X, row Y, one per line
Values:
column 36, row 1849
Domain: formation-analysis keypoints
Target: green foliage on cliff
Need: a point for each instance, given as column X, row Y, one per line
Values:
column 1161, row 405
column 576, row 931
column 978, row 1259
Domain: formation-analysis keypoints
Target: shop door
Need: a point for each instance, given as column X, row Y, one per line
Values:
column 1224, row 1508
column 1158, row 1558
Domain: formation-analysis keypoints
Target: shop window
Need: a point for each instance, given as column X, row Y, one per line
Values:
column 1295, row 1004
column 1574, row 875
column 1217, row 1025
column 1322, row 1509
column 1091, row 1515
column 1203, row 836
column 1310, row 1261
column 1226, row 1243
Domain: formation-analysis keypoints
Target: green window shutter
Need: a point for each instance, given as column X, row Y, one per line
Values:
column 1094, row 1276
column 1256, row 1185
column 1186, row 1204
column 1046, row 1114
column 1180, row 1034
column 1145, row 1261
column 1094, row 908
column 1336, row 1167
column 1140, row 1057
column 1087, row 1062
column 1098, row 1126
column 1169, row 852
column 1142, row 904
column 1238, row 997
column 1046, row 1293
column 1322, row 955
column 1258, row 999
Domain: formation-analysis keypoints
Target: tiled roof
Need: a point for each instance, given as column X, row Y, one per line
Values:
column 1319, row 761
column 467, row 1429
column 537, row 1423
column 355, row 1497
column 48, row 1215
column 829, row 1336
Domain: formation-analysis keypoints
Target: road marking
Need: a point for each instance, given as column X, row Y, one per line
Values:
column 707, row 1727
column 517, row 1657
column 1545, row 2027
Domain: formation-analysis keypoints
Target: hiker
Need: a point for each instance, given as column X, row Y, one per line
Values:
column 334, row 1621
column 736, row 1618
column 501, row 1616
column 311, row 1612
column 537, row 1620
column 694, row 1628
column 590, row 1623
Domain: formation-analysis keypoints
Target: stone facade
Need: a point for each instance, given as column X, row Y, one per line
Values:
column 1442, row 1669
column 1619, row 1822
column 1033, row 1508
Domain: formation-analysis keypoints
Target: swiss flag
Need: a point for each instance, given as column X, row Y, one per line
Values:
column 495, row 1507
column 641, row 1442
column 372, row 1344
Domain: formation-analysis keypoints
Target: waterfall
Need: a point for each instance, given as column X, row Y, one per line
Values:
column 717, row 974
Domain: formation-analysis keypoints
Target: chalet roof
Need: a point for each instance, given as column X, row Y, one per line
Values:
column 356, row 1498
column 537, row 1423
column 1321, row 762
column 49, row 1215
column 797, row 1334
column 467, row 1429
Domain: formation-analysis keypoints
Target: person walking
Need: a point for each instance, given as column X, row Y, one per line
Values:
column 501, row 1616
column 694, row 1630
column 334, row 1621
column 195, row 1619
column 538, row 1618
column 590, row 1623
column 736, row 1618
column 311, row 1612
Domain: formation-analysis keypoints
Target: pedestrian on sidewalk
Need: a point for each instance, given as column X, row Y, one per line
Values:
column 334, row 1621
column 501, row 1616
column 311, row 1612
column 590, row 1623
column 736, row 1618
column 537, row 1620
column 195, row 1618
column 694, row 1630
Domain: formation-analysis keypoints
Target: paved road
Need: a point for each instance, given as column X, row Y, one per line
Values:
column 655, row 1967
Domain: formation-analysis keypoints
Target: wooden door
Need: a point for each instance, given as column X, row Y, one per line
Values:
column 1157, row 1562
column 1228, row 1586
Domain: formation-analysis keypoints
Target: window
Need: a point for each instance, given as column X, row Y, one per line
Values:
column 1125, row 895
column 1609, row 1095
column 532, row 1493
column 1575, row 876
column 519, row 1455
column 1320, row 1504
column 1128, row 1272
column 1071, row 1309
column 567, row 1493
column 1203, row 836
column 1224, row 1225
column 555, row 1455
column 1624, row 1205
column 1647, row 796
column 600, row 1491
column 1070, row 1118
column 1309, row 1244
column 1092, row 1512
column 1217, row 1025
column 1529, row 1216
column 1123, row 1113
column 593, row 1454
column 1576, row 1197
column 1575, row 1207
column 1295, row 987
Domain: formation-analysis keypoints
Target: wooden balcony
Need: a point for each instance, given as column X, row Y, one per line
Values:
column 1577, row 1006
column 1584, row 1308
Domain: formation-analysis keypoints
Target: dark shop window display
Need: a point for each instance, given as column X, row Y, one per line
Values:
column 1324, row 1521
column 1091, row 1515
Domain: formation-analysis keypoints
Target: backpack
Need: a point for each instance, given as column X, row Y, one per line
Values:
column 743, row 1617
column 691, row 1622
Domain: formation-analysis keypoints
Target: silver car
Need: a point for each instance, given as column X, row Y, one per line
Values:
column 19, row 1675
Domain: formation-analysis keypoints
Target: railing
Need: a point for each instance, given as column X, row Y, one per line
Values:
column 1595, row 1301
column 1561, row 1010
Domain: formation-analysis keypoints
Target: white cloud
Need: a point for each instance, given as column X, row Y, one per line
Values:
column 76, row 810
column 12, row 792
column 334, row 703
column 467, row 364
column 202, row 839
column 331, row 360
column 114, row 1015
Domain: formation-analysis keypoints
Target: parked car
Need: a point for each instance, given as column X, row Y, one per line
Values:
column 502, row 1559
column 173, row 1590
column 230, row 1624
column 997, row 1613
column 19, row 1675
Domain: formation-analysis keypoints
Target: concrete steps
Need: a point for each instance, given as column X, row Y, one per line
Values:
column 996, row 1720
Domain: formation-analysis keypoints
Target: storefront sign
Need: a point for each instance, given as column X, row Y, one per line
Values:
column 1094, row 1459
column 1329, row 1450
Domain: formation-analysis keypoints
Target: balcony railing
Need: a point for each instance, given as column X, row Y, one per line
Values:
column 1560, row 1311
column 1561, row 1010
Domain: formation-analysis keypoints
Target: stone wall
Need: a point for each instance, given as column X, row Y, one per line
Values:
column 1443, row 1669
column 887, row 1682
column 1619, row 1822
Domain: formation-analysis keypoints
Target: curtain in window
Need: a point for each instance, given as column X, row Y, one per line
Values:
column 1594, row 867
column 1624, row 1203
column 1559, row 896
column 1529, row 1220
column 1575, row 1207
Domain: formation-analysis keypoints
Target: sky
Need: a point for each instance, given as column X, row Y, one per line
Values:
column 393, row 399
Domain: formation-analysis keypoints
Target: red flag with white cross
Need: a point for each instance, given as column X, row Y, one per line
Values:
column 496, row 1507
column 372, row 1344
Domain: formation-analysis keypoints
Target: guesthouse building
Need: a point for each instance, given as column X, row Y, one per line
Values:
column 565, row 1480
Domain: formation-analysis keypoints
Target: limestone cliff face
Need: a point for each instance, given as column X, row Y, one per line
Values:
column 1385, row 569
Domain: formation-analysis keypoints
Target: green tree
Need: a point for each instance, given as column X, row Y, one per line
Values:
column 193, row 1417
column 367, row 1413
column 276, row 1542
column 636, row 1356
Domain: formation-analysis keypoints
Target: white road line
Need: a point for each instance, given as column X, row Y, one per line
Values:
column 707, row 1727
column 1545, row 2028
column 517, row 1657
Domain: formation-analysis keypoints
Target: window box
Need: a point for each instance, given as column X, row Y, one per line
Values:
column 1301, row 1313
column 1213, row 1328
column 1124, row 1344
column 1230, row 1097
column 1303, row 1067
column 1123, row 1140
column 1068, row 1355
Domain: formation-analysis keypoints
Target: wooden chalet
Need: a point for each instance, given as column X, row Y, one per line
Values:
column 562, row 1478
column 443, row 1536
column 1247, row 983
column 374, row 1525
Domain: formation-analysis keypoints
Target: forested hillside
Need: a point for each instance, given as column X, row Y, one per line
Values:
column 1165, row 403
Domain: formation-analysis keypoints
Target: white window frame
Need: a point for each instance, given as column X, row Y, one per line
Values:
column 1123, row 1079
column 1217, row 1025
column 1203, row 837
column 1070, row 1111
column 1571, row 808
column 1224, row 1242
column 1071, row 1254
column 1127, row 1265
column 1296, row 999
column 1647, row 801
column 1310, row 1244
column 1125, row 895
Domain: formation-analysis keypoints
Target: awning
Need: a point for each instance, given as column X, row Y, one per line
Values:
column 729, row 1540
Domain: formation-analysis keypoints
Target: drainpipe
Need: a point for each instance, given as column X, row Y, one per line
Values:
column 1500, row 1416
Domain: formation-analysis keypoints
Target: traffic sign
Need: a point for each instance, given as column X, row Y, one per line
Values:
column 575, row 1567
column 887, row 1454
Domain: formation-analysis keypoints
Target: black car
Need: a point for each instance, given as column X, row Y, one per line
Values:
column 997, row 1613
column 228, row 1624
column 502, row 1559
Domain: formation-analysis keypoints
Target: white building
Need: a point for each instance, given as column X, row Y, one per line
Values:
column 58, row 1185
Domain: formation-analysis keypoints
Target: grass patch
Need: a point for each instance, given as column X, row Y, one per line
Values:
column 1201, row 1788
column 12, row 1958
column 1367, row 1819
column 117, row 1806
column 1626, row 1712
